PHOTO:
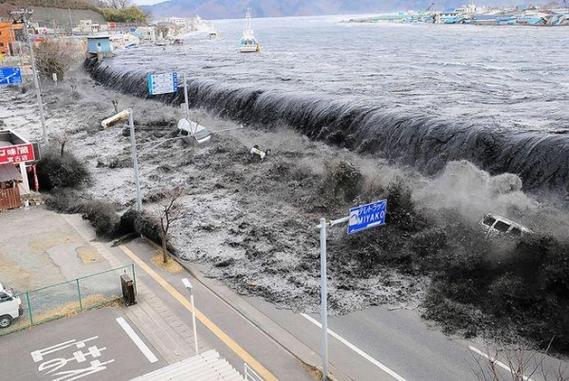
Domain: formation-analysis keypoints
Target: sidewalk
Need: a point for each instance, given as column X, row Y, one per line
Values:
column 171, row 337
column 163, row 316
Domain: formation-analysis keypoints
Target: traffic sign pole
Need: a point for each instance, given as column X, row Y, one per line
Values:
column 186, row 97
column 360, row 218
column 323, row 301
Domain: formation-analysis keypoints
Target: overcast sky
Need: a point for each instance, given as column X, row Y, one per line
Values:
column 146, row 2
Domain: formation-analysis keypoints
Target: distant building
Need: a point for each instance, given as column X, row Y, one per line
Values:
column 16, row 158
column 146, row 34
column 179, row 21
column 9, row 34
column 99, row 46
column 124, row 40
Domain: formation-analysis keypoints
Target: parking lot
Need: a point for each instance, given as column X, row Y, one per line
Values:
column 95, row 345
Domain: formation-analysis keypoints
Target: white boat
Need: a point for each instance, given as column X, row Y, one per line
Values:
column 248, row 43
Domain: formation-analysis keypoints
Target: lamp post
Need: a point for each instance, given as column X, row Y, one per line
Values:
column 188, row 285
column 121, row 116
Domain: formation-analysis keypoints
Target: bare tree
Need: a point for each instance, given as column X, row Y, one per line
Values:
column 62, row 139
column 516, row 364
column 115, row 103
column 170, row 213
column 117, row 4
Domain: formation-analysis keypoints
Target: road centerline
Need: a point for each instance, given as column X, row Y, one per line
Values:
column 137, row 340
column 360, row 352
column 212, row 327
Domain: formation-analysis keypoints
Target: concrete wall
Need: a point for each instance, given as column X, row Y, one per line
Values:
column 45, row 16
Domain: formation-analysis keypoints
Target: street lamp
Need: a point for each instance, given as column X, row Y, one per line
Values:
column 128, row 113
column 188, row 285
column 122, row 116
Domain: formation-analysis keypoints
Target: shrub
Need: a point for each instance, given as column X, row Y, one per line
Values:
column 129, row 14
column 60, row 171
column 64, row 201
column 143, row 224
column 401, row 209
column 342, row 180
column 55, row 56
column 102, row 215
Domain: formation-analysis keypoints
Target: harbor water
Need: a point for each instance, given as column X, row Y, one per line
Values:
column 416, row 94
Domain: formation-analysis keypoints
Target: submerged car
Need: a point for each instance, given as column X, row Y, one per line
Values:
column 498, row 225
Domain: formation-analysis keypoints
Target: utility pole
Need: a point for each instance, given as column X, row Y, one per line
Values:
column 134, row 161
column 24, row 15
column 128, row 113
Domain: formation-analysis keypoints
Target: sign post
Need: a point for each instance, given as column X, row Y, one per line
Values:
column 360, row 218
column 187, row 107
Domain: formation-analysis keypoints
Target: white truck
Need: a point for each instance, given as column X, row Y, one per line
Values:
column 10, row 306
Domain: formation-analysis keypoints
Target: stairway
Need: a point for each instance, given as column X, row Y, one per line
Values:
column 208, row 366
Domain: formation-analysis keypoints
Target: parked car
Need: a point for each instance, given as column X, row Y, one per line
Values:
column 10, row 307
column 498, row 225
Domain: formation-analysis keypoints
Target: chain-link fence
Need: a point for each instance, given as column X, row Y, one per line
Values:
column 66, row 298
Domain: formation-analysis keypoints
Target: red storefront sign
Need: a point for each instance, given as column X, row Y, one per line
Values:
column 17, row 154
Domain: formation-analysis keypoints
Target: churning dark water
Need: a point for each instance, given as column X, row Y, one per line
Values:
column 416, row 94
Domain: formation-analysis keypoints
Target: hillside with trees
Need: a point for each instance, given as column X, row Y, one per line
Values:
column 111, row 10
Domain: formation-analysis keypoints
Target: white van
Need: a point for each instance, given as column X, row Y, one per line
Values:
column 497, row 225
column 193, row 130
column 10, row 307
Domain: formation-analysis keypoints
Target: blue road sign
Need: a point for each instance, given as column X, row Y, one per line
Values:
column 367, row 216
column 162, row 83
column 10, row 76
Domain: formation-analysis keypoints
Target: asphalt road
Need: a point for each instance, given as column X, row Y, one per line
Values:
column 94, row 345
column 234, row 337
column 379, row 344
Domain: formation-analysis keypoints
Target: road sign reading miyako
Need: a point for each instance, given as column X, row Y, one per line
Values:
column 367, row 216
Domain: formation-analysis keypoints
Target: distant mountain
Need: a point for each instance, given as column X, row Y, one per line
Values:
column 223, row 9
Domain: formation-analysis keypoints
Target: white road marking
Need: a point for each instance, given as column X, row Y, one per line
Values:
column 356, row 349
column 497, row 362
column 137, row 341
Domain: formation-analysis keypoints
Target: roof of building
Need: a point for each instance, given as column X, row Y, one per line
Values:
column 9, row 172
column 11, row 137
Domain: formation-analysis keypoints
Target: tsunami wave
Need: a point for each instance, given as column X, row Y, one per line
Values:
column 541, row 159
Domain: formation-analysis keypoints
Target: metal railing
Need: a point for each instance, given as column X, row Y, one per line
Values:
column 250, row 374
column 69, row 298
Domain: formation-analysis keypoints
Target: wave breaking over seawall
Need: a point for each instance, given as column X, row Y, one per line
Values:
column 540, row 158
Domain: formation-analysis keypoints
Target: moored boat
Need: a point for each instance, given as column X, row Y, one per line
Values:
column 248, row 42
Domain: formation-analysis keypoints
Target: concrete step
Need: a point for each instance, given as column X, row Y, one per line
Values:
column 208, row 366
